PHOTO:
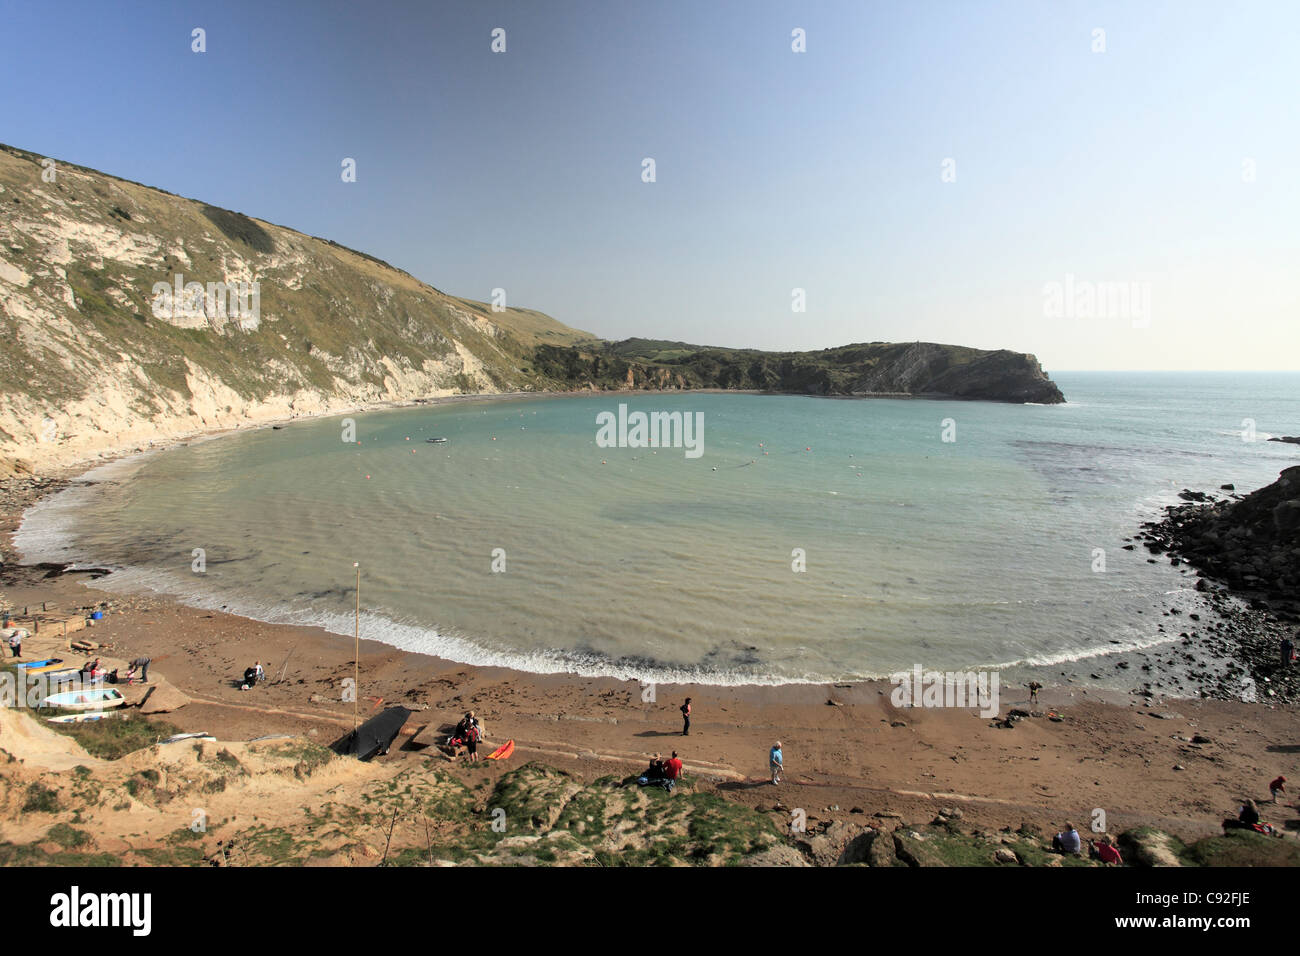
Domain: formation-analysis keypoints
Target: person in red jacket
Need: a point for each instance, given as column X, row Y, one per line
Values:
column 1105, row 851
column 1276, row 787
column 673, row 770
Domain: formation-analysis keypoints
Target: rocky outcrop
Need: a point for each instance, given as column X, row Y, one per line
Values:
column 1000, row 376
column 1251, row 544
column 920, row 369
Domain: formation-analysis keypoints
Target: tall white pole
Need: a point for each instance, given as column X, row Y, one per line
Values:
column 356, row 654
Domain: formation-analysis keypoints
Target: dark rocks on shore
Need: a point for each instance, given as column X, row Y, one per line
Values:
column 1251, row 544
column 1247, row 548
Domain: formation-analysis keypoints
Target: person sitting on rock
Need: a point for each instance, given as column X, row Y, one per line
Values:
column 1067, row 841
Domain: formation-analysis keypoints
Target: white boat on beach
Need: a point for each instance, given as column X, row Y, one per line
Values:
column 97, row 698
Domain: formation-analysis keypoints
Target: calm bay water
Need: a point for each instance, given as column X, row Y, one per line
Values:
column 974, row 552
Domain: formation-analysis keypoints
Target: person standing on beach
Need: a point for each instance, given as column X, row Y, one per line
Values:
column 686, row 718
column 1288, row 651
column 140, row 664
column 471, row 739
column 1034, row 688
column 775, row 762
column 16, row 642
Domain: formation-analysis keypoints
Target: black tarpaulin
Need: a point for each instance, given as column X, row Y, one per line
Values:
column 375, row 736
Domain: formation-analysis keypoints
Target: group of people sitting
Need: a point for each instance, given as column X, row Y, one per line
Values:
column 661, row 772
column 1070, row 843
column 94, row 672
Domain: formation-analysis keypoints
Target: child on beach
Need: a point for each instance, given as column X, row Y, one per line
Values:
column 1276, row 787
column 16, row 641
column 776, row 762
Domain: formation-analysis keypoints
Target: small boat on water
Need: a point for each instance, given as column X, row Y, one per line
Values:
column 97, row 698
column 436, row 441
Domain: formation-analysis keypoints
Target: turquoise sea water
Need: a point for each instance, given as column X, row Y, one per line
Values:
column 951, row 554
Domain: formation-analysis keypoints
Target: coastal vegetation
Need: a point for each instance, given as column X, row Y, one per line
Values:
column 415, row 812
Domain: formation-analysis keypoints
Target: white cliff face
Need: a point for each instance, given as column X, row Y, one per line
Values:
column 130, row 316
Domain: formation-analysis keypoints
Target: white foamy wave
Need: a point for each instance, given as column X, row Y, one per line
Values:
column 1236, row 433
column 45, row 532
column 421, row 639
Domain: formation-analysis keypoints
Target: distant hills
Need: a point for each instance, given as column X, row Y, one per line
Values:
column 921, row 369
column 102, row 346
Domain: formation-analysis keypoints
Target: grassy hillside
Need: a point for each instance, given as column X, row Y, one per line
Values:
column 84, row 350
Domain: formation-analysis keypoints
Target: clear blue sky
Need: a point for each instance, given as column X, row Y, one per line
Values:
column 776, row 170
